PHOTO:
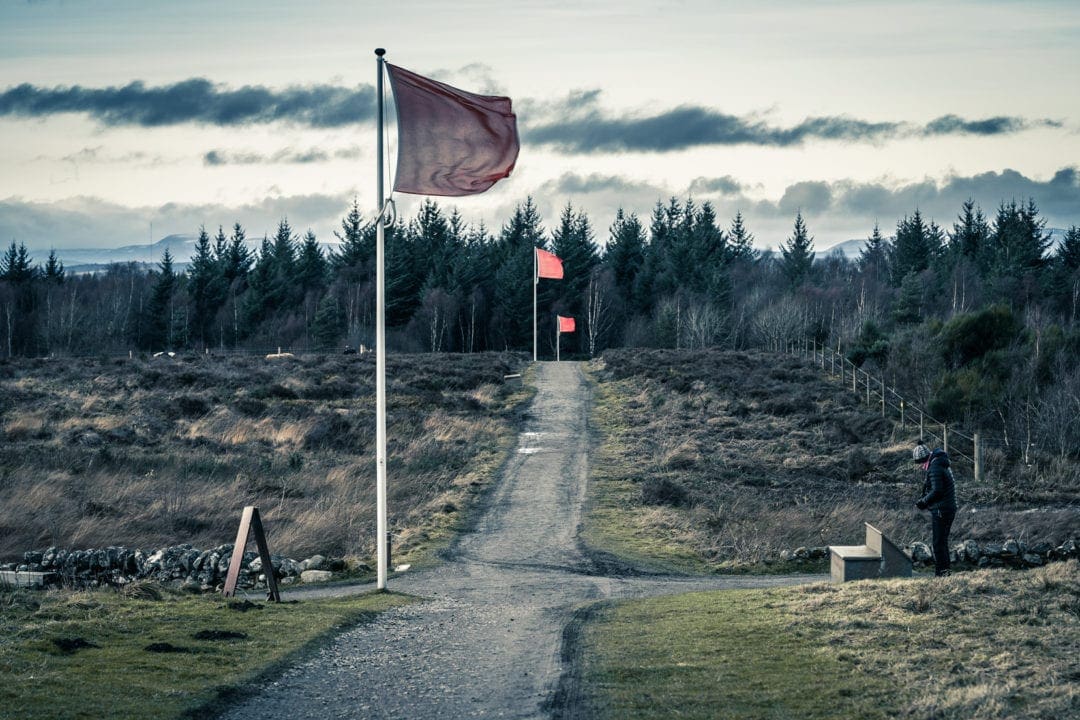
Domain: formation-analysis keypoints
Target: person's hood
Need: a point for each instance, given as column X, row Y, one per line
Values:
column 939, row 456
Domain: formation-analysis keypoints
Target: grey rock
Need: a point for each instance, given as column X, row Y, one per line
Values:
column 801, row 553
column 969, row 551
column 921, row 553
column 315, row 576
column 1012, row 548
column 315, row 562
column 1033, row 559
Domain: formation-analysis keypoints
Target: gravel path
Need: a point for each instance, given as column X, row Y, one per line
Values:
column 488, row 643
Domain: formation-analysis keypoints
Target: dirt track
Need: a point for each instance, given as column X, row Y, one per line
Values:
column 489, row 642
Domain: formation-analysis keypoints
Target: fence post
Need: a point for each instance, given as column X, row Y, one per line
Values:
column 843, row 373
column 978, row 458
column 945, row 437
column 921, row 432
column 901, row 413
column 854, row 378
column 832, row 363
column 868, row 389
column 882, row 396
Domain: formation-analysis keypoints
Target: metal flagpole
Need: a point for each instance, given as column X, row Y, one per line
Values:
column 380, row 345
column 536, row 281
column 558, row 337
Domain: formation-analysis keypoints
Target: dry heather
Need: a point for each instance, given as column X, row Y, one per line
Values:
column 149, row 453
column 739, row 455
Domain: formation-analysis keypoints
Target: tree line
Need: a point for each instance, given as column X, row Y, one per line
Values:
column 680, row 277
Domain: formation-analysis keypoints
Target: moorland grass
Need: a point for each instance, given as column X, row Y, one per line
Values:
column 994, row 644
column 155, row 452
column 718, row 460
column 98, row 654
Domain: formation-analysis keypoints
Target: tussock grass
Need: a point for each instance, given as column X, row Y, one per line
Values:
column 995, row 644
column 149, row 453
column 91, row 654
column 751, row 453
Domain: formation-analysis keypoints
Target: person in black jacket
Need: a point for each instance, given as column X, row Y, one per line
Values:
column 939, row 497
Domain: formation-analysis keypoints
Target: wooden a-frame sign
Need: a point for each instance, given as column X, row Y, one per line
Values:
column 250, row 522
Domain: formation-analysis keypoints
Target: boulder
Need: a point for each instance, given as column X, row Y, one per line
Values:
column 315, row 576
column 1012, row 548
column 1033, row 559
column 315, row 562
column 921, row 553
column 969, row 552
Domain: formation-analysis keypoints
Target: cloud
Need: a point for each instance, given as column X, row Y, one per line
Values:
column 196, row 100
column 285, row 156
column 573, row 124
column 88, row 222
column 726, row 185
column 576, row 124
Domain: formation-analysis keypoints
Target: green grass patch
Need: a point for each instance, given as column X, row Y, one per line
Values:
column 102, row 654
column 991, row 644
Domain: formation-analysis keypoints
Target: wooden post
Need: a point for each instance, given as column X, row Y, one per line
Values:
column 250, row 522
column 854, row 378
column 901, row 413
column 882, row 396
column 945, row 437
column 868, row 389
column 978, row 458
column 921, row 434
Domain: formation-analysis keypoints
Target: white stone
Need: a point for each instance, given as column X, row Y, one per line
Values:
column 315, row 576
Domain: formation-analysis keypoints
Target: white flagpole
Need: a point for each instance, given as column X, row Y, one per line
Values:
column 380, row 346
column 558, row 338
column 536, row 281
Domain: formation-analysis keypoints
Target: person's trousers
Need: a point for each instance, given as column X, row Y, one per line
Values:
column 941, row 522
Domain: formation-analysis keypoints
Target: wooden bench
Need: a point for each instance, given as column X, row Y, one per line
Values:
column 878, row 558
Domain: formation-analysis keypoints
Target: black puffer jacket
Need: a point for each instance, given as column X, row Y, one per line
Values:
column 939, row 488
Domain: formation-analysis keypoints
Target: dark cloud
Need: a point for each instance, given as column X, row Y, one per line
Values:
column 952, row 124
column 286, row 156
column 195, row 101
column 576, row 124
column 726, row 185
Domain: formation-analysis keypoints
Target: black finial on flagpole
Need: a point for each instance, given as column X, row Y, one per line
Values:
column 380, row 51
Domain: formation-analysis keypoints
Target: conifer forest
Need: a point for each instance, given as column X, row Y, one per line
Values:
column 976, row 320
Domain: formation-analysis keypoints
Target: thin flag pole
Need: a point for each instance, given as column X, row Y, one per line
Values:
column 536, row 281
column 380, row 344
column 558, row 338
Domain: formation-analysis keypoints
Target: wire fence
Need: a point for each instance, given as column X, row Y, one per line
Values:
column 875, row 393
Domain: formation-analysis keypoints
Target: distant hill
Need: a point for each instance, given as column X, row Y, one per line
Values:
column 182, row 247
column 852, row 248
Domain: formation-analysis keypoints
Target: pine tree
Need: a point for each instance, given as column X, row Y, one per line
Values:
column 357, row 247
column 874, row 256
column 514, row 248
column 625, row 255
column 158, row 326
column 206, row 288
column 328, row 324
column 237, row 260
column 797, row 254
column 970, row 234
column 741, row 241
column 573, row 242
column 312, row 269
column 915, row 248
column 54, row 270
column 16, row 266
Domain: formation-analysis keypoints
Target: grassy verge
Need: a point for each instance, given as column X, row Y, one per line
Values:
column 102, row 654
column 994, row 644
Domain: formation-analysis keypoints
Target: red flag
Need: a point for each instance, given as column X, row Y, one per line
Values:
column 450, row 142
column 566, row 325
column 548, row 265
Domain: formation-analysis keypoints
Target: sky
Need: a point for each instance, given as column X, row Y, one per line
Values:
column 124, row 121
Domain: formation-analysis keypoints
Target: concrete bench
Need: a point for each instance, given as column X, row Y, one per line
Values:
column 879, row 557
column 26, row 579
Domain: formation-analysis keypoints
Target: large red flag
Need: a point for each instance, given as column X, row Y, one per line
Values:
column 566, row 325
column 548, row 265
column 450, row 142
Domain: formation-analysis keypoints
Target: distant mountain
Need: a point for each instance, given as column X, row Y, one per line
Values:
column 852, row 248
column 182, row 248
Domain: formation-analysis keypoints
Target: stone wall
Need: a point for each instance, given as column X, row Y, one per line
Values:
column 182, row 565
column 1010, row 553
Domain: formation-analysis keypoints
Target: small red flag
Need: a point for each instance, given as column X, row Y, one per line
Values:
column 548, row 265
column 566, row 325
column 450, row 142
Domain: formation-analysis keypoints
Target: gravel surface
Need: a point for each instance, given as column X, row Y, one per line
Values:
column 489, row 641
